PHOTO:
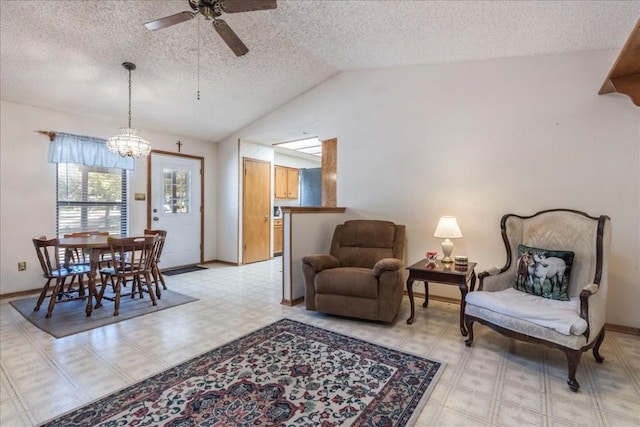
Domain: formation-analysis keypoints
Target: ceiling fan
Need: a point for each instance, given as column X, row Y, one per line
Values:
column 211, row 10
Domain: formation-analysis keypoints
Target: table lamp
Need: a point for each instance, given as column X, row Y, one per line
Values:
column 447, row 229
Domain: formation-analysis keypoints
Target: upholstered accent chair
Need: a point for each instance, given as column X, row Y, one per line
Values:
column 572, row 326
column 362, row 276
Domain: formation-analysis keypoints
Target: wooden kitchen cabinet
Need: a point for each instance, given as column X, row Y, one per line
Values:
column 278, row 234
column 286, row 182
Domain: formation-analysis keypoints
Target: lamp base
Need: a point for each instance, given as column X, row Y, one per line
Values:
column 447, row 248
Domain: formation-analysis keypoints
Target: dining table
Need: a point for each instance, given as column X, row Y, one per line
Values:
column 94, row 247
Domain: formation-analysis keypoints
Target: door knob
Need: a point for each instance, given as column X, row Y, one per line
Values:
column 155, row 210
column 266, row 218
column 155, row 218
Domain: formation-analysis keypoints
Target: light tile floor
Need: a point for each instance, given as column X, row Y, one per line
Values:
column 497, row 382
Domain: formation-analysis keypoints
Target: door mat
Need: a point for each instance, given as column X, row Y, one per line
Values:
column 285, row 374
column 183, row 270
column 69, row 317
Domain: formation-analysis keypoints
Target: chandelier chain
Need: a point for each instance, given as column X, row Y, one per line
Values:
column 129, row 143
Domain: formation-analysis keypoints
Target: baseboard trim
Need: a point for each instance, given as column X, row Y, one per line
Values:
column 217, row 261
column 442, row 299
column 19, row 294
column 291, row 303
column 420, row 295
column 629, row 330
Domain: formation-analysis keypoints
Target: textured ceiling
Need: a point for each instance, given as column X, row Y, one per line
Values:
column 66, row 55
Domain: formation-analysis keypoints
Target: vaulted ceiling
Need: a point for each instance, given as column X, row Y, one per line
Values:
column 67, row 55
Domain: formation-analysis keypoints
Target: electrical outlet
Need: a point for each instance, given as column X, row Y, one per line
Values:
column 22, row 265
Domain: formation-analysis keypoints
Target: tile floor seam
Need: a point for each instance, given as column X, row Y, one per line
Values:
column 628, row 368
column 11, row 387
column 465, row 414
column 454, row 384
column 144, row 351
column 114, row 368
column 436, row 341
column 520, row 409
column 575, row 404
column 628, row 371
column 589, row 378
column 41, row 350
column 498, row 387
column 126, row 378
column 615, row 414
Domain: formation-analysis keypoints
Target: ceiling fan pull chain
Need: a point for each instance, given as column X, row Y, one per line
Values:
column 130, row 68
column 198, row 18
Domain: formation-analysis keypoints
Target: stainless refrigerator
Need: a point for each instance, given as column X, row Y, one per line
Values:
column 311, row 187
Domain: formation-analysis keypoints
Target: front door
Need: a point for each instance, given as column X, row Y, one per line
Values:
column 175, row 205
column 256, row 209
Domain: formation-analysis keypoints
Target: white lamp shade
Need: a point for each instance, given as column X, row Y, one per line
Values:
column 448, row 228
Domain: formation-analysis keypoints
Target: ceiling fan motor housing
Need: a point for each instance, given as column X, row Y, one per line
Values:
column 210, row 9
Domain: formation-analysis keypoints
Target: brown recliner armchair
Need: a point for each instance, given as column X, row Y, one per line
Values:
column 362, row 276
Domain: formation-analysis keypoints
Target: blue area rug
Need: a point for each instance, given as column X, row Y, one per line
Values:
column 285, row 374
column 69, row 317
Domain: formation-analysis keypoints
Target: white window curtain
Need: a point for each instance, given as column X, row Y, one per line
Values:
column 86, row 150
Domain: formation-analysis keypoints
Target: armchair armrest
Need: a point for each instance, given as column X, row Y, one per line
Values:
column 590, row 289
column 495, row 279
column 387, row 264
column 592, row 309
column 321, row 262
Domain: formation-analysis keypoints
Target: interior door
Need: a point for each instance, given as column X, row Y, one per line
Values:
column 175, row 205
column 256, row 208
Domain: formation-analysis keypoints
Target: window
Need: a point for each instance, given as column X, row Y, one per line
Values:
column 91, row 198
column 177, row 191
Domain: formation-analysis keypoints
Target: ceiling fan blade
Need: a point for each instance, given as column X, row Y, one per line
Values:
column 235, row 6
column 230, row 38
column 168, row 21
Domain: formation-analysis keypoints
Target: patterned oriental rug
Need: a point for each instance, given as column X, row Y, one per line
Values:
column 285, row 374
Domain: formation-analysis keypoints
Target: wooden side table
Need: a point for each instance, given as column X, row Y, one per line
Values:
column 450, row 274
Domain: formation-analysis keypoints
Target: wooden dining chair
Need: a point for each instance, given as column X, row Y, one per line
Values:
column 131, row 260
column 155, row 271
column 48, row 252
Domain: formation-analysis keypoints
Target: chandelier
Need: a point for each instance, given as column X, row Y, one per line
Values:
column 128, row 143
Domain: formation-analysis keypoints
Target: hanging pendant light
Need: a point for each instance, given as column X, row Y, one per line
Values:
column 128, row 143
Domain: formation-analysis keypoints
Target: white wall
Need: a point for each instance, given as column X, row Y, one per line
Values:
column 28, row 185
column 228, row 202
column 480, row 139
column 305, row 233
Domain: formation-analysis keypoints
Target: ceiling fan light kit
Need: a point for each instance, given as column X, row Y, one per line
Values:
column 129, row 143
column 212, row 10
